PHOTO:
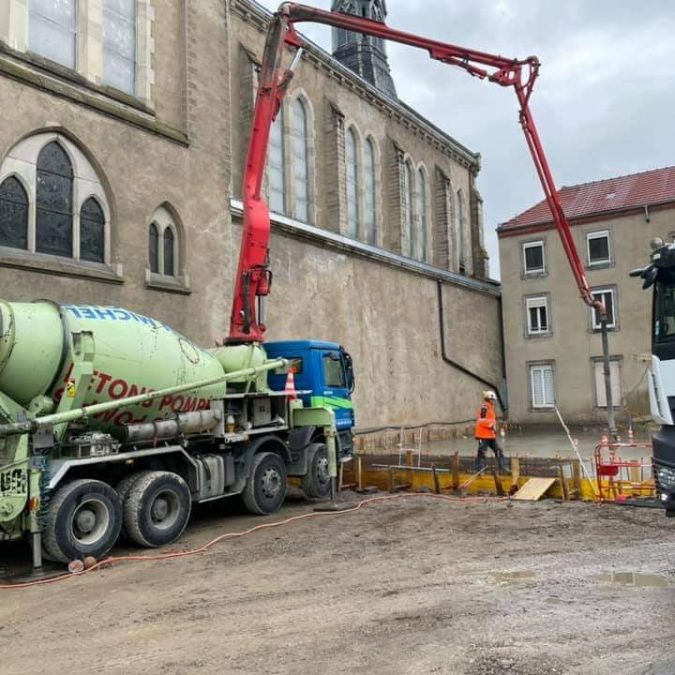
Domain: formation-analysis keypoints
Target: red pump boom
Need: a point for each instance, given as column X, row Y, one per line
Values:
column 254, row 277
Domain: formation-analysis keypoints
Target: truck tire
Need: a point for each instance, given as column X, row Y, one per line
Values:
column 316, row 482
column 84, row 518
column 122, row 488
column 157, row 508
column 265, row 489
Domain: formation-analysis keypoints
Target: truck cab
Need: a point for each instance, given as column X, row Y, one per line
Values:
column 324, row 377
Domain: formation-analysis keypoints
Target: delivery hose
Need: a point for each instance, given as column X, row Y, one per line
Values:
column 116, row 560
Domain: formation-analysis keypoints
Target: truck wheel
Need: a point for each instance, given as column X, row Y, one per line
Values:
column 316, row 482
column 84, row 518
column 122, row 488
column 157, row 508
column 265, row 489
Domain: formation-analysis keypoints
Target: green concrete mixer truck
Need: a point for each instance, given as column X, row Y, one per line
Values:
column 112, row 422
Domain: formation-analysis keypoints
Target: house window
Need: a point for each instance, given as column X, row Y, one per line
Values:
column 422, row 210
column 51, row 201
column 597, row 244
column 119, row 44
column 52, row 27
column 370, row 193
column 408, row 198
column 352, row 162
column 54, row 215
column 276, row 172
column 163, row 244
column 614, row 381
column 537, row 316
column 533, row 257
column 13, row 214
column 542, row 386
column 300, row 161
column 606, row 296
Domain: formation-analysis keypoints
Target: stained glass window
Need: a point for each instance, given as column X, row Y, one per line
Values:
column 154, row 248
column 119, row 44
column 352, row 161
column 300, row 161
column 461, row 232
column 54, row 213
column 422, row 210
column 370, row 194
column 13, row 214
column 276, row 173
column 408, row 195
column 92, row 231
column 168, row 253
column 52, row 30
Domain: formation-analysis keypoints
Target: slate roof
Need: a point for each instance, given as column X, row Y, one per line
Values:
column 604, row 196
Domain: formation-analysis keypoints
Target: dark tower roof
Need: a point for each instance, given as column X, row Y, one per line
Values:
column 365, row 55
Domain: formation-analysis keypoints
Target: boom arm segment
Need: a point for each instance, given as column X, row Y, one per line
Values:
column 253, row 279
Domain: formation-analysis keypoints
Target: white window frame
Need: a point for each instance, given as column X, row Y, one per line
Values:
column 614, row 379
column 598, row 235
column 545, row 404
column 538, row 302
column 595, row 319
column 534, row 244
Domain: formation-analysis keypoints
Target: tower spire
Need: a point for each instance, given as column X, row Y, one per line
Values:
column 363, row 54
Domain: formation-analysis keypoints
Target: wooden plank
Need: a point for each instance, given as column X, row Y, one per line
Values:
column 563, row 481
column 437, row 487
column 534, row 489
column 498, row 483
column 455, row 471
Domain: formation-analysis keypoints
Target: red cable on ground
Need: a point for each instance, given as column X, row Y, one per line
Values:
column 114, row 560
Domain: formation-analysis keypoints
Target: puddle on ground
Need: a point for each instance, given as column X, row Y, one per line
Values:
column 511, row 577
column 634, row 579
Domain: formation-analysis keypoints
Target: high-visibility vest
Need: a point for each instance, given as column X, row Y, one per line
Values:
column 486, row 421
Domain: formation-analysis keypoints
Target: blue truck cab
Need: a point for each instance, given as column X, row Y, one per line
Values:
column 324, row 376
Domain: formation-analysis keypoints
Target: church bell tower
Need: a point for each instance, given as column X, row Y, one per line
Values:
column 365, row 55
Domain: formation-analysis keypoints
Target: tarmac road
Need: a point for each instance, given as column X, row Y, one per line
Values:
column 407, row 586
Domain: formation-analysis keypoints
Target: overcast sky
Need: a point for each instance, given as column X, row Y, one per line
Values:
column 604, row 102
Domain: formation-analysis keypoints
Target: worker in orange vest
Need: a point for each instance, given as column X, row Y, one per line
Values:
column 486, row 432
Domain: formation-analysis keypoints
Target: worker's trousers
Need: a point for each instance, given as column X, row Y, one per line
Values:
column 483, row 444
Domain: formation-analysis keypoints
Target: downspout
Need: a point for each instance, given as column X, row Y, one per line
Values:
column 454, row 364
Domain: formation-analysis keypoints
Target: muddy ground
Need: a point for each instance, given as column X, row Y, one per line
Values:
column 406, row 586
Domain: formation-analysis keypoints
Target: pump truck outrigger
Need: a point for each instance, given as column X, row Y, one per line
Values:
column 113, row 422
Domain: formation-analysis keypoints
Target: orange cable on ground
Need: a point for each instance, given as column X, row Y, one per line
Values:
column 114, row 560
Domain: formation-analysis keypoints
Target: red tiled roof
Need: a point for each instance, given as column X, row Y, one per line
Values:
column 612, row 194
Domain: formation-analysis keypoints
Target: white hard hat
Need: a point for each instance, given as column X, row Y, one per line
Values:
column 489, row 396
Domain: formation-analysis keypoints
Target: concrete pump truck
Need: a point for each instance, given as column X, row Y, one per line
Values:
column 112, row 421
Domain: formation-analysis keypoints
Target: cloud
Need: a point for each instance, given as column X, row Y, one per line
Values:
column 604, row 102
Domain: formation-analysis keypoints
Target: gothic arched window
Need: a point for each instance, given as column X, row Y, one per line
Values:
column 164, row 246
column 153, row 245
column 370, row 193
column 301, row 161
column 169, row 245
column 408, row 198
column 13, row 214
column 276, row 171
column 352, row 162
column 422, row 212
column 461, row 233
column 54, row 213
column 92, row 231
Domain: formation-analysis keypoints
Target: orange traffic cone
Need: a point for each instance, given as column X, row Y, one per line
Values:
column 291, row 393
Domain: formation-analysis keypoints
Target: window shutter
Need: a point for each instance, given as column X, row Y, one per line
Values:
column 549, row 398
column 614, row 379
